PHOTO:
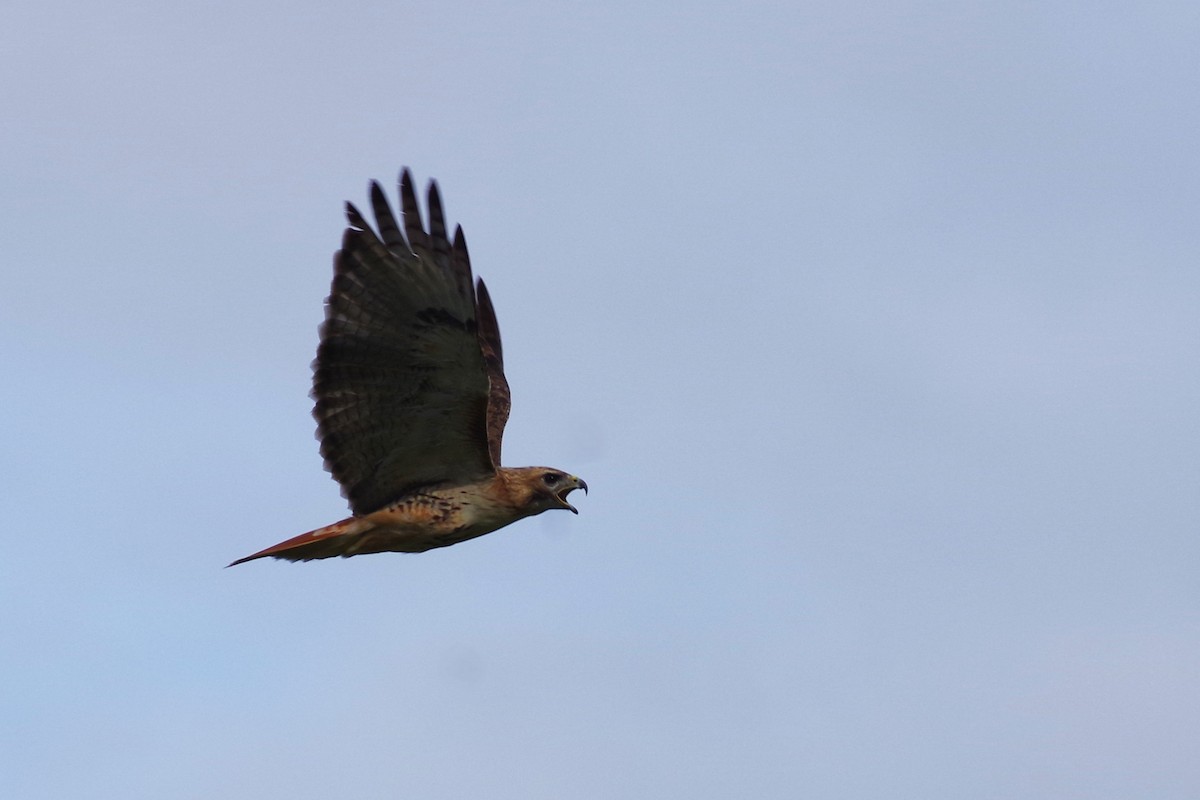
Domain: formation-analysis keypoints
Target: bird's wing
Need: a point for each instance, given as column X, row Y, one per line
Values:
column 401, row 380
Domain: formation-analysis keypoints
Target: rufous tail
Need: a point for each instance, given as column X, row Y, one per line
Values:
column 337, row 539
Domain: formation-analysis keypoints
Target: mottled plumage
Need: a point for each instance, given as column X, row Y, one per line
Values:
column 411, row 398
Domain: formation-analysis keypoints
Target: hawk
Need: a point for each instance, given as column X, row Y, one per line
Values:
column 410, row 394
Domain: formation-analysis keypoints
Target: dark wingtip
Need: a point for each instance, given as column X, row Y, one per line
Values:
column 355, row 217
column 459, row 245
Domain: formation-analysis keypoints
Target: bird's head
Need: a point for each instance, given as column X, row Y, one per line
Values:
column 543, row 488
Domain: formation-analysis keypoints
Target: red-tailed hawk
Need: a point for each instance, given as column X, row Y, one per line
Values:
column 410, row 393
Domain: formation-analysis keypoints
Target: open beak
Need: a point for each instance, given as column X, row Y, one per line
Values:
column 572, row 484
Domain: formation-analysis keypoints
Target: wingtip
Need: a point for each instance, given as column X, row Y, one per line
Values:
column 460, row 245
column 437, row 214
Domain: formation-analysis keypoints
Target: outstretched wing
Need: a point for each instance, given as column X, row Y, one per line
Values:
column 401, row 379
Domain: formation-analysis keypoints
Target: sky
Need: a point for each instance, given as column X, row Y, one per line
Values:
column 871, row 326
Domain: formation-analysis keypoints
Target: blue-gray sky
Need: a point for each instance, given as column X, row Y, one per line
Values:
column 872, row 326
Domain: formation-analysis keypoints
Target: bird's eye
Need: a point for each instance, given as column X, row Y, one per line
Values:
column 550, row 479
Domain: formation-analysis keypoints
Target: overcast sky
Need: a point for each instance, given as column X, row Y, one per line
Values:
column 873, row 328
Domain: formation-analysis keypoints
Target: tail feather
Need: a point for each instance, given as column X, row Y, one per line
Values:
column 337, row 539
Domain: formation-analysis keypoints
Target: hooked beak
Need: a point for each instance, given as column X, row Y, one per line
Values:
column 573, row 484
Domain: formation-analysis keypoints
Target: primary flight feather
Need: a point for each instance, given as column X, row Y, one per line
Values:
column 410, row 393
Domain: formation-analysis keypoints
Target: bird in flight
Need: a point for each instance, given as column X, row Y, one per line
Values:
column 410, row 393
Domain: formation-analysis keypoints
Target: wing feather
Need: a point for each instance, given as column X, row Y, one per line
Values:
column 389, row 231
column 401, row 381
column 499, row 398
column 418, row 239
